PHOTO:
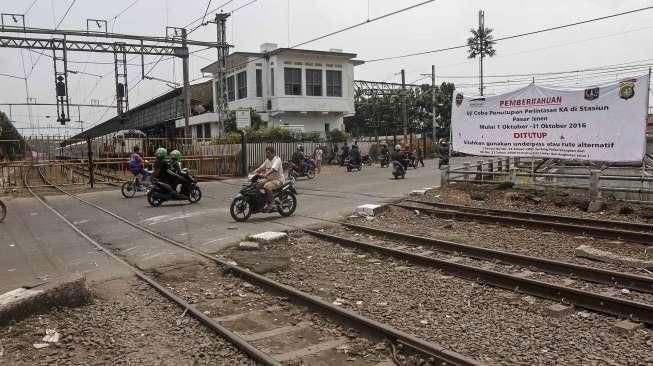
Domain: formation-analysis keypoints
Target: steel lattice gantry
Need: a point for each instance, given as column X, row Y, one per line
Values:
column 91, row 46
column 371, row 88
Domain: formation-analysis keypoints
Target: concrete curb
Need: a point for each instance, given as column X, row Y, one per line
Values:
column 21, row 303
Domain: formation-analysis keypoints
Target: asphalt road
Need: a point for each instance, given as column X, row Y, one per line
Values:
column 36, row 245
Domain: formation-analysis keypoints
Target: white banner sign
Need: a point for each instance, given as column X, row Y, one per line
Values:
column 604, row 123
column 243, row 119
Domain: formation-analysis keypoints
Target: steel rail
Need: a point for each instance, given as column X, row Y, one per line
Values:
column 590, row 274
column 432, row 349
column 234, row 338
column 584, row 299
column 634, row 236
column 622, row 225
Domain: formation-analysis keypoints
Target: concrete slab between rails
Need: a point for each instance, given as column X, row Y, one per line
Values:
column 422, row 191
column 270, row 237
column 586, row 251
column 70, row 290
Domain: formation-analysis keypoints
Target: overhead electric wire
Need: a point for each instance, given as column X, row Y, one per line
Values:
column 30, row 7
column 115, row 17
column 513, row 36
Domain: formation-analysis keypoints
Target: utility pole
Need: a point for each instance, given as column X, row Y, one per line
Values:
column 184, row 65
column 404, row 111
column 481, row 26
column 435, row 123
column 223, row 52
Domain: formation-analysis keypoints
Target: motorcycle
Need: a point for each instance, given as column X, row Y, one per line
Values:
column 3, row 211
column 139, row 183
column 190, row 191
column 366, row 160
column 296, row 171
column 250, row 200
column 350, row 165
column 398, row 170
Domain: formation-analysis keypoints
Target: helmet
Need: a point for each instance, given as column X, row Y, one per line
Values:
column 161, row 152
column 300, row 147
column 398, row 147
column 175, row 155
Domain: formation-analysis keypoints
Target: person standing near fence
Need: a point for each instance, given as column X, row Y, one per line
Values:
column 317, row 155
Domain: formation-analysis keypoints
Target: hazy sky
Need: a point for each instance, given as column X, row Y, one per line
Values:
column 440, row 24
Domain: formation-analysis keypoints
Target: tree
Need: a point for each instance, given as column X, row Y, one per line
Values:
column 481, row 44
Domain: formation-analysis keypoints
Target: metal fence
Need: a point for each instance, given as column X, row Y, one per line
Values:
column 634, row 183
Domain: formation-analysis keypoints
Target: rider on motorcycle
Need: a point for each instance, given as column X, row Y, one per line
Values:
column 399, row 156
column 163, row 173
column 299, row 159
column 175, row 166
column 136, row 164
column 271, row 173
column 355, row 155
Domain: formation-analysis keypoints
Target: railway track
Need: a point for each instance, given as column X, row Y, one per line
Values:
column 410, row 250
column 635, row 232
column 430, row 352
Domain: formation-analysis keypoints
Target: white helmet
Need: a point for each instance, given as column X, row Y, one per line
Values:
column 397, row 147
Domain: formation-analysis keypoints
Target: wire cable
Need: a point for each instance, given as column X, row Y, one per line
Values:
column 514, row 35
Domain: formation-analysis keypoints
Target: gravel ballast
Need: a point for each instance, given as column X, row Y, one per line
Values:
column 482, row 322
column 128, row 324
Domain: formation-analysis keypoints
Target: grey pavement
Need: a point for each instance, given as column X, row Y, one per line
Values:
column 40, row 244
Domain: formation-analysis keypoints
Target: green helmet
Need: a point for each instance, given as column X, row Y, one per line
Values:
column 161, row 152
column 175, row 155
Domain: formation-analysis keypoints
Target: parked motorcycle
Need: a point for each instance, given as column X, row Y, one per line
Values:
column 398, row 170
column 190, row 191
column 297, row 172
column 367, row 160
column 251, row 200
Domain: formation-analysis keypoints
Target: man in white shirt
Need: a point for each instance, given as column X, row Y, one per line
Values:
column 271, row 172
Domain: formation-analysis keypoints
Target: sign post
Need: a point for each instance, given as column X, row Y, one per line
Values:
column 243, row 119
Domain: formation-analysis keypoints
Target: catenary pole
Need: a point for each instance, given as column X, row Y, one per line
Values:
column 435, row 123
column 404, row 111
column 186, row 92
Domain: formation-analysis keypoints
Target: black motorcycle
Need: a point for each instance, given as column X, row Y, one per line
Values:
column 251, row 200
column 190, row 191
column 296, row 171
column 398, row 170
column 351, row 165
column 367, row 160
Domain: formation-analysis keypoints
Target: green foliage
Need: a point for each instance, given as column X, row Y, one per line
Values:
column 337, row 135
column 383, row 113
column 481, row 43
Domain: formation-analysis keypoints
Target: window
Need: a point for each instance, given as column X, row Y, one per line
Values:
column 242, row 84
column 293, row 81
column 327, row 128
column 231, row 91
column 272, row 81
column 198, row 131
column 334, row 83
column 314, row 82
column 207, row 130
column 259, row 83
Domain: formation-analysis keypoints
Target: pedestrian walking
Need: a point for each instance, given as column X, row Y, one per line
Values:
column 420, row 156
column 317, row 155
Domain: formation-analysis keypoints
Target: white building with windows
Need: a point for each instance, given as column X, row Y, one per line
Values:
column 303, row 90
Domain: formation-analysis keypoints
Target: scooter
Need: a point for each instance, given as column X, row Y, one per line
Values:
column 250, row 200
column 160, row 192
column 398, row 170
column 351, row 165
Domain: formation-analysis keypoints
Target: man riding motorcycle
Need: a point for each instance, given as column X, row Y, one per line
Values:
column 271, row 172
column 299, row 159
column 175, row 166
column 355, row 155
column 163, row 173
column 399, row 156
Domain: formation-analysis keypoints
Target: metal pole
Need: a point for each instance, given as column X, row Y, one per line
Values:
column 89, row 151
column 435, row 123
column 186, row 92
column 404, row 111
column 481, row 49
